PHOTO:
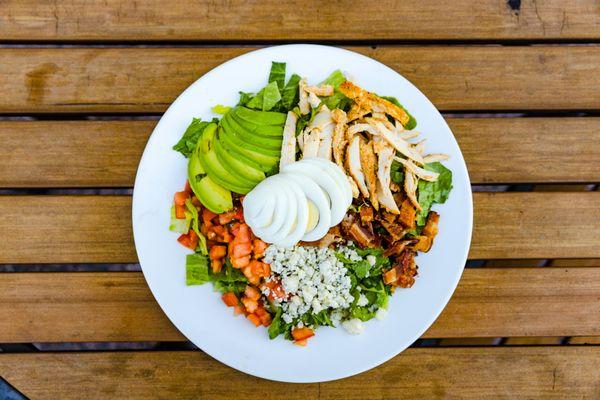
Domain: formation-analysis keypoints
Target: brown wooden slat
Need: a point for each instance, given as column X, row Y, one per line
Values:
column 118, row 306
column 106, row 153
column 584, row 340
column 480, row 341
column 83, row 229
column 149, row 79
column 275, row 20
column 533, row 341
column 465, row 373
column 578, row 262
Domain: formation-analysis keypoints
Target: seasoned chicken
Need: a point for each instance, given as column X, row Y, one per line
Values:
column 385, row 156
column 356, row 112
column 303, row 102
column 429, row 158
column 420, row 147
column 288, row 144
column 368, row 162
column 324, row 123
column 313, row 100
column 399, row 144
column 312, row 139
column 370, row 101
column 357, row 128
column 323, row 90
column 339, row 140
column 410, row 187
column 353, row 165
column 419, row 172
column 403, row 133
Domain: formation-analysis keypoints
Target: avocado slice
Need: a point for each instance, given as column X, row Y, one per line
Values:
column 218, row 172
column 238, row 167
column 212, row 195
column 271, row 149
column 257, row 160
column 269, row 131
column 260, row 117
column 247, row 135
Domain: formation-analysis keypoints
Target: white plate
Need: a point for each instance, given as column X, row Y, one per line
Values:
column 199, row 313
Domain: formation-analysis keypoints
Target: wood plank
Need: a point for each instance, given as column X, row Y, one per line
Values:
column 117, row 306
column 577, row 262
column 465, row 373
column 273, row 20
column 89, row 229
column 534, row 341
column 454, row 77
column 584, row 340
column 106, row 153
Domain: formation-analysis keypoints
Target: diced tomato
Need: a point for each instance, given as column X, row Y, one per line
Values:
column 390, row 276
column 302, row 333
column 210, row 234
column 260, row 311
column 302, row 342
column 180, row 198
column 184, row 240
column 179, row 211
column 241, row 249
column 254, row 319
column 188, row 188
column 252, row 293
column 265, row 319
column 238, row 310
column 253, row 279
column 194, row 239
column 196, row 202
column 235, row 228
column 275, row 290
column 240, row 262
column 207, row 216
column 259, row 247
column 230, row 299
column 239, row 214
column 216, row 265
column 217, row 252
column 227, row 217
column 250, row 304
column 260, row 269
column 243, row 234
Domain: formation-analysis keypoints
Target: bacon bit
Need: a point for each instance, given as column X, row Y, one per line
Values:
column 396, row 231
column 408, row 269
column 398, row 247
column 423, row 244
column 363, row 237
column 366, row 213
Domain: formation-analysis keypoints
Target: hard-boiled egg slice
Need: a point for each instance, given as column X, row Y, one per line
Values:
column 334, row 190
column 291, row 207
column 336, row 173
column 315, row 194
column 298, row 228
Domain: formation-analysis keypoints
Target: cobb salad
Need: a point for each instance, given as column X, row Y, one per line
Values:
column 306, row 205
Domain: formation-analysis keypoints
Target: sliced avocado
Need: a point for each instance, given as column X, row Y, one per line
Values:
column 243, row 138
column 212, row 195
column 217, row 171
column 261, row 130
column 238, row 167
column 257, row 160
column 260, row 117
column 270, row 142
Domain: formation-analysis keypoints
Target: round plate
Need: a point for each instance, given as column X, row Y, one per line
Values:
column 199, row 313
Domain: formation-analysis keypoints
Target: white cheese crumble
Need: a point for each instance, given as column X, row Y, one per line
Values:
column 371, row 259
column 362, row 301
column 381, row 313
column 313, row 277
column 353, row 326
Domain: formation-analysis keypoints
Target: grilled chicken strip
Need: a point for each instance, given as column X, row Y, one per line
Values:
column 368, row 162
column 288, row 144
column 303, row 102
column 353, row 165
column 339, row 140
column 370, row 101
column 385, row 158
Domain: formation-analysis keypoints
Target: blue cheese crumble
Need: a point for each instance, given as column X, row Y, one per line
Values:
column 313, row 277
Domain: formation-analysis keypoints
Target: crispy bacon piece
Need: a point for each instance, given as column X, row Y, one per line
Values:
column 423, row 244
column 361, row 235
column 431, row 226
column 366, row 213
column 334, row 235
column 407, row 269
column 398, row 247
column 407, row 214
column 395, row 230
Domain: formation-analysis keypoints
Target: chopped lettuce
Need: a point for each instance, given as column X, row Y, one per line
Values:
column 277, row 74
column 220, row 109
column 430, row 193
column 193, row 212
column 244, row 98
column 277, row 324
column 412, row 122
column 290, row 94
column 397, row 173
column 187, row 143
column 266, row 99
column 179, row 225
column 196, row 269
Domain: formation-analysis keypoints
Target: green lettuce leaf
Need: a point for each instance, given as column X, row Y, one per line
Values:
column 180, row 225
column 289, row 94
column 190, row 137
column 266, row 99
column 196, row 269
column 338, row 99
column 193, row 212
column 220, row 109
column 412, row 122
column 430, row 193
column 397, row 173
column 245, row 98
column 275, row 329
column 277, row 74
column 229, row 279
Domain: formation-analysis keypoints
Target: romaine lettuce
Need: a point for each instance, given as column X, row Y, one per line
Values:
column 180, row 225
column 188, row 141
column 266, row 99
column 193, row 212
column 277, row 74
column 433, row 192
column 289, row 94
column 196, row 269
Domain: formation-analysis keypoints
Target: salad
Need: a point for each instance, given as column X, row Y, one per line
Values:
column 306, row 205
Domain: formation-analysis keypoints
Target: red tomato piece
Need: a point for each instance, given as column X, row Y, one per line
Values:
column 230, row 299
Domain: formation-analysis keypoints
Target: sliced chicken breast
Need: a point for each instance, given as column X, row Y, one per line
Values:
column 353, row 165
column 288, row 145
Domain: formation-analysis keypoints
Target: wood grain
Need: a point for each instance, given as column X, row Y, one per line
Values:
column 149, row 79
column 273, row 20
column 106, row 153
column 533, row 341
column 118, row 306
column 585, row 340
column 465, row 373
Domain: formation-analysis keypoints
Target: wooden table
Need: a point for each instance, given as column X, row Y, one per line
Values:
column 82, row 84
